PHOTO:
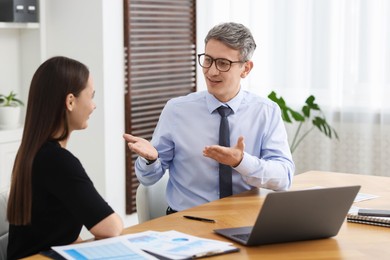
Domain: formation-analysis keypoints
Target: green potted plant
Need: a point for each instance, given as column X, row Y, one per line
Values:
column 310, row 113
column 10, row 109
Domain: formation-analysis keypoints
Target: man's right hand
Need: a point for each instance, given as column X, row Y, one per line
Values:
column 141, row 146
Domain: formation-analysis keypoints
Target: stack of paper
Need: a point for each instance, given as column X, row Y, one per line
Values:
column 169, row 244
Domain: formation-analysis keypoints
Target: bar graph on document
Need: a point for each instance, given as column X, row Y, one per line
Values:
column 115, row 250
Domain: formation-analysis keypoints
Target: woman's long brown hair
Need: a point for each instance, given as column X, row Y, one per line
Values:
column 45, row 115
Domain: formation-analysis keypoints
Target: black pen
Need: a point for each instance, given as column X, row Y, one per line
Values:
column 200, row 219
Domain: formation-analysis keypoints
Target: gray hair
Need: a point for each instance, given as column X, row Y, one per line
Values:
column 235, row 36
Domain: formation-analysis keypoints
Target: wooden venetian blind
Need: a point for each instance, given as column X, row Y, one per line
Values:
column 160, row 63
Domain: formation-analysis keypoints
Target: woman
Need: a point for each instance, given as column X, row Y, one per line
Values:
column 51, row 195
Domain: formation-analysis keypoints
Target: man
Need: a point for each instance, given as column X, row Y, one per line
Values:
column 186, row 138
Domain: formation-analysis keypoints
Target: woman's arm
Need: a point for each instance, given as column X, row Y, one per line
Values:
column 110, row 226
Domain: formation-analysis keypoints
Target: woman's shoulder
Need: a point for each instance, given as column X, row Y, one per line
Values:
column 57, row 162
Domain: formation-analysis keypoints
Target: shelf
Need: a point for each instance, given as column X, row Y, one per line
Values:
column 11, row 25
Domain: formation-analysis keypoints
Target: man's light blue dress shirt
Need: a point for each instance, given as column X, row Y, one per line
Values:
column 187, row 124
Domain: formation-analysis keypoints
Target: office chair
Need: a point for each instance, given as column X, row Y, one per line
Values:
column 3, row 223
column 150, row 200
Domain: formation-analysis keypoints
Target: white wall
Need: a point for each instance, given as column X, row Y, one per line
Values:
column 91, row 31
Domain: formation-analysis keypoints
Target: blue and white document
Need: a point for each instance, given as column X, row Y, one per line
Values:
column 169, row 244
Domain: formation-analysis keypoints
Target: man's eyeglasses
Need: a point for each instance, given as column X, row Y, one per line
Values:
column 223, row 65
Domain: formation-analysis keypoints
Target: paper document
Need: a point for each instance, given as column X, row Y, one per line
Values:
column 365, row 196
column 359, row 197
column 169, row 244
column 111, row 248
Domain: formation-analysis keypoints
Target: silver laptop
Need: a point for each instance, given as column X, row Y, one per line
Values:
column 288, row 216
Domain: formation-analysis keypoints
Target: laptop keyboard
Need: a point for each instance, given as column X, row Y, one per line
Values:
column 243, row 237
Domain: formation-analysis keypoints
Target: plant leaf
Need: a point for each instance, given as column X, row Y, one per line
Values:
column 280, row 101
column 10, row 100
column 323, row 126
column 297, row 116
column 311, row 104
column 306, row 111
column 286, row 111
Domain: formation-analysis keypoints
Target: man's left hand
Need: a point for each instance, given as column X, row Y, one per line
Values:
column 226, row 155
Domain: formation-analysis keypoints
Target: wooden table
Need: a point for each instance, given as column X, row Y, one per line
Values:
column 354, row 241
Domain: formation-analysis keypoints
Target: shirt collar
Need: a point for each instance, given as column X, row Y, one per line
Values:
column 213, row 103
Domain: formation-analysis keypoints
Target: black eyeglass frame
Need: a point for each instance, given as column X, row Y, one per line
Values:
column 216, row 63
